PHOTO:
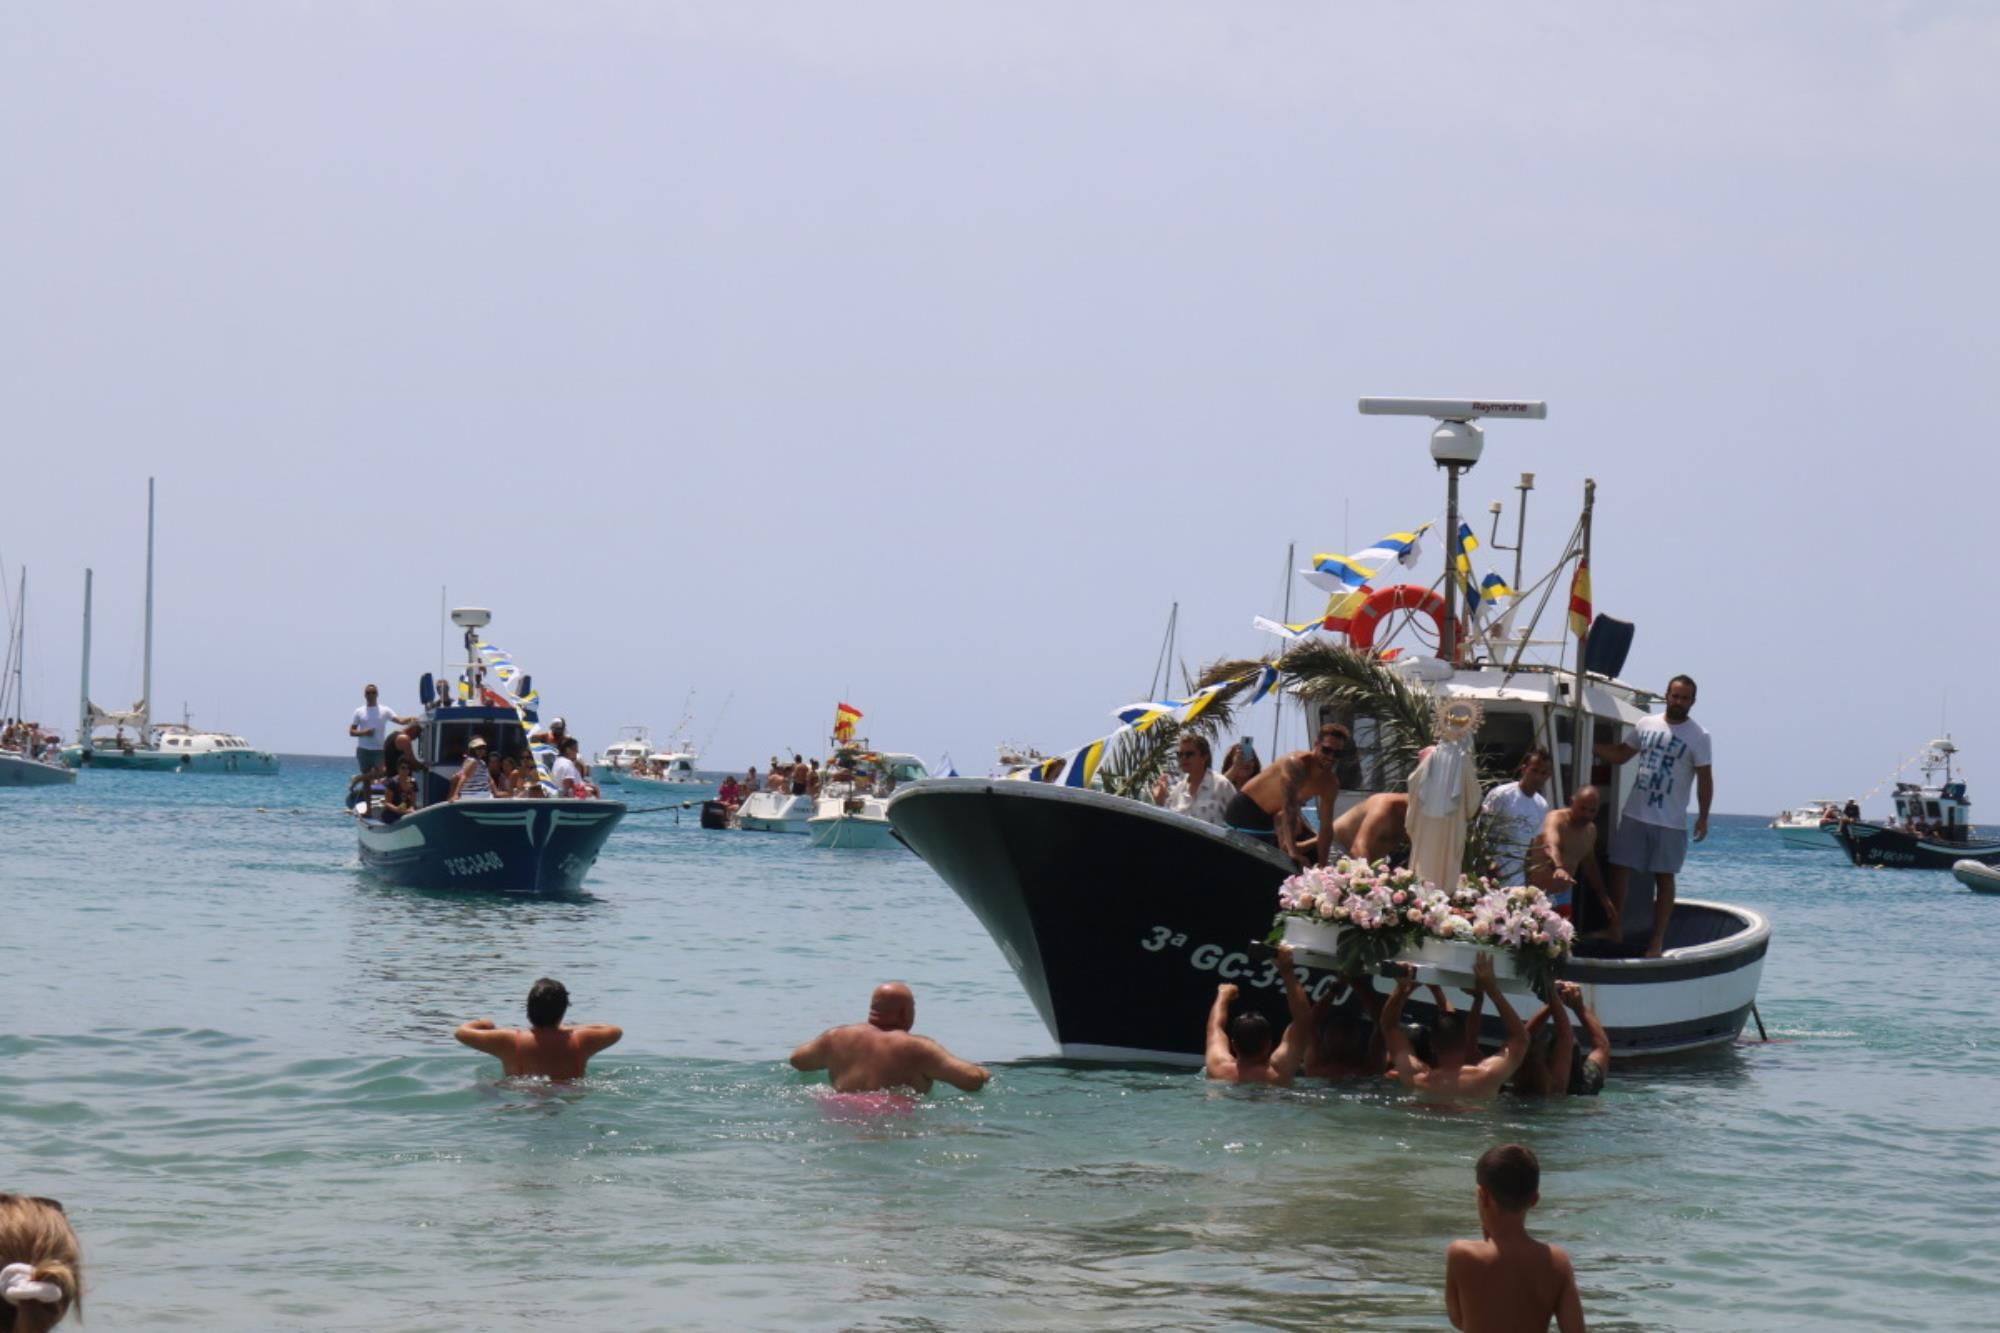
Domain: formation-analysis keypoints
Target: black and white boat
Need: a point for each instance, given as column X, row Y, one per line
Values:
column 528, row 845
column 1120, row 918
column 1933, row 825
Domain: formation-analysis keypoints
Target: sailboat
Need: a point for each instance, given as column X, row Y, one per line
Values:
column 23, row 759
column 137, row 742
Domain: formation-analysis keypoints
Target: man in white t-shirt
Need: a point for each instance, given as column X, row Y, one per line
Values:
column 1514, row 812
column 1674, row 758
column 370, row 729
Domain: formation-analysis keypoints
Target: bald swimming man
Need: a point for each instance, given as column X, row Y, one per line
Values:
column 883, row 1053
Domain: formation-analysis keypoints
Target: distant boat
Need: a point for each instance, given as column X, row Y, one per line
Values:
column 855, row 812
column 1933, row 826
column 634, row 743
column 25, row 754
column 136, row 742
column 1814, row 826
column 528, row 844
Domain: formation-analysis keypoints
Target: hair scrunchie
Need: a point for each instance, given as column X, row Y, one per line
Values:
column 18, row 1286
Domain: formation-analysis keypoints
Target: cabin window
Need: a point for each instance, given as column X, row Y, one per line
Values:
column 1931, row 808
column 1504, row 741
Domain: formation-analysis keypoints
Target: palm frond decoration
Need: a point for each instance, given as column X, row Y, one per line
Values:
column 1331, row 673
column 1137, row 758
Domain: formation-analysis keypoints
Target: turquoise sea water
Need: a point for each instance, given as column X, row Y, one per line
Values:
column 228, row 1051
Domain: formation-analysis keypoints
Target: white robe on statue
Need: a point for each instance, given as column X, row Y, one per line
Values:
column 1444, row 795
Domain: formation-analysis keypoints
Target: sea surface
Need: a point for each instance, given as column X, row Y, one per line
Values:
column 228, row 1050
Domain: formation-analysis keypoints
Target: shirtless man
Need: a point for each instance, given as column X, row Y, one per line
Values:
column 1342, row 1045
column 801, row 776
column 1568, row 844
column 1507, row 1281
column 1268, row 805
column 1552, row 1068
column 1240, row 1049
column 1376, row 827
column 1452, row 1076
column 883, row 1053
column 548, row 1048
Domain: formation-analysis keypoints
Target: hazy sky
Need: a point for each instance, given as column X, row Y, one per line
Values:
column 922, row 354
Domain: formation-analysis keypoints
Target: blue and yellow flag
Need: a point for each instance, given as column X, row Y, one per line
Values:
column 1345, row 573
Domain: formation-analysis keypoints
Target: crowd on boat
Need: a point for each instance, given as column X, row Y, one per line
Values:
column 389, row 758
column 31, row 741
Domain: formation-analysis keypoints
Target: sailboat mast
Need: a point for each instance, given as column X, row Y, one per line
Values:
column 1278, row 700
column 146, row 681
column 83, row 708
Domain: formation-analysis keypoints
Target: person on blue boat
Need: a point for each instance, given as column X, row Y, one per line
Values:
column 883, row 1053
column 474, row 781
column 548, row 1048
column 370, row 729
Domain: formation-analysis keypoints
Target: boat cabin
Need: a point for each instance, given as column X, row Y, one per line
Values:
column 448, row 732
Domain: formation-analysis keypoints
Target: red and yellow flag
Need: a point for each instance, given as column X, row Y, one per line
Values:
column 1579, row 599
column 844, row 718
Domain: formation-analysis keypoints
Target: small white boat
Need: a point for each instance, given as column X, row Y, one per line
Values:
column 1814, row 826
column 856, row 813
column 775, row 812
column 616, row 759
column 667, row 768
column 1977, row 876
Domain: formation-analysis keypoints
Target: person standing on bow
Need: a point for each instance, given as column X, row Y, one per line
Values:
column 1200, row 791
column 1674, row 758
column 370, row 729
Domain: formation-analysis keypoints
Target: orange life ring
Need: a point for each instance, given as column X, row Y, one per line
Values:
column 1402, row 597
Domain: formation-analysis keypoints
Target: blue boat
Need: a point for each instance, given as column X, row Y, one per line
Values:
column 539, row 844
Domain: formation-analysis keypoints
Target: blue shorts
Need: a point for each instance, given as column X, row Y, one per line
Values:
column 1653, row 848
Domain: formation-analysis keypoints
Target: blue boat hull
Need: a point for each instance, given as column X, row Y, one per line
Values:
column 505, row 846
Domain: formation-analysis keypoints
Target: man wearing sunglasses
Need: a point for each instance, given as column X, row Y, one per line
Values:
column 1269, row 805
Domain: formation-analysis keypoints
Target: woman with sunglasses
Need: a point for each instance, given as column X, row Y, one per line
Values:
column 1199, row 791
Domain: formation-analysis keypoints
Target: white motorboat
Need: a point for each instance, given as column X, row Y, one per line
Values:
column 1814, row 826
column 150, row 747
column 775, row 812
column 1977, row 876
column 855, row 812
column 616, row 759
column 666, row 768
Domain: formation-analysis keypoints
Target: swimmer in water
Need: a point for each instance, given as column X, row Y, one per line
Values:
column 547, row 1048
column 883, row 1053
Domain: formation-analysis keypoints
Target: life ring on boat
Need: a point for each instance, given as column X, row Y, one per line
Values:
column 1402, row 597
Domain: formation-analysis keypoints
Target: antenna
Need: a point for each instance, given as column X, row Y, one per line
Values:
column 1455, row 446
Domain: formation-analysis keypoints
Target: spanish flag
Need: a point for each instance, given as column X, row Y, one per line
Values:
column 844, row 718
column 1579, row 599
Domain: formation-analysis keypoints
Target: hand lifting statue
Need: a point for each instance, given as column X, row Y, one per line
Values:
column 1444, row 795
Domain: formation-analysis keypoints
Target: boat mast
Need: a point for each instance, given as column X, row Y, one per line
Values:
column 83, row 711
column 1278, row 700
column 1580, row 749
column 146, row 681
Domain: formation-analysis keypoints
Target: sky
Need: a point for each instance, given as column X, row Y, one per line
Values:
column 924, row 355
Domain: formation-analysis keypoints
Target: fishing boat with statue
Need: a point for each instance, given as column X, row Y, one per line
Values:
column 1933, row 827
column 532, row 842
column 1120, row 917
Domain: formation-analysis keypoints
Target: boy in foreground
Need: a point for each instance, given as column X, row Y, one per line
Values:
column 1509, row 1282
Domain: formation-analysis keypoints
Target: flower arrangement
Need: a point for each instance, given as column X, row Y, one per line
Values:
column 1381, row 912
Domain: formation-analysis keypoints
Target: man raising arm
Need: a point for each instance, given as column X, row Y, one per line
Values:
column 1239, row 1050
column 1452, row 1077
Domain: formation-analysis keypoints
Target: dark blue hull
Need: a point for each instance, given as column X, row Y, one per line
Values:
column 1873, row 845
column 505, row 846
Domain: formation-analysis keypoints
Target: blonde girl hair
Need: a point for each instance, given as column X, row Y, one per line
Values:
column 34, row 1232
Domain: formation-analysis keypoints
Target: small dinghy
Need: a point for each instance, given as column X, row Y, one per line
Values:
column 1977, row 876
